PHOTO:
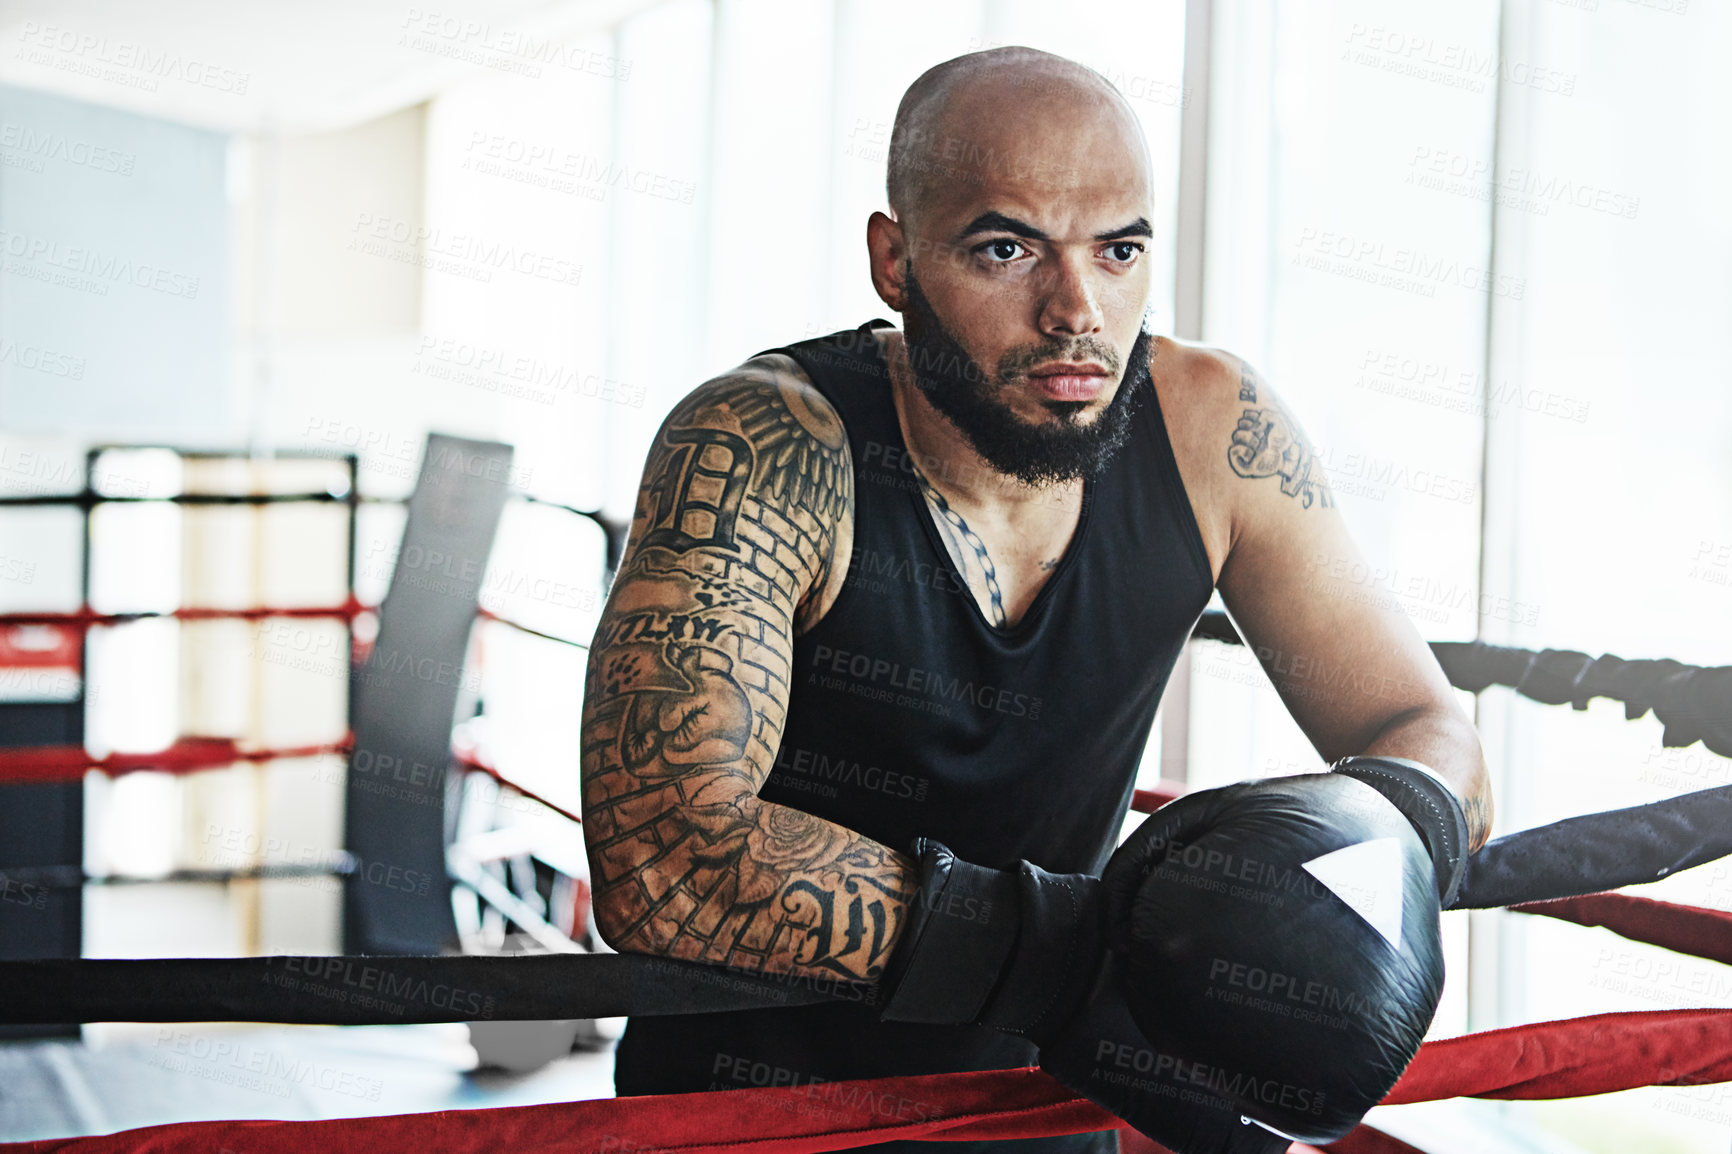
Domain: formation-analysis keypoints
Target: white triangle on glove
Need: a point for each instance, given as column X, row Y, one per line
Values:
column 1367, row 876
column 1246, row 1120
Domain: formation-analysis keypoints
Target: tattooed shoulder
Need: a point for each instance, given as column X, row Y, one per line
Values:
column 1267, row 441
column 754, row 463
column 1247, row 383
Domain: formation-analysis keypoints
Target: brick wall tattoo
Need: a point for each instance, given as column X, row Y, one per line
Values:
column 744, row 494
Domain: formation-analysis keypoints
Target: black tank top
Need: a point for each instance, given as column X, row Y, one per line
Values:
column 910, row 715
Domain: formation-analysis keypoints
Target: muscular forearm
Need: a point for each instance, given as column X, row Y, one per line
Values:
column 1446, row 741
column 764, row 887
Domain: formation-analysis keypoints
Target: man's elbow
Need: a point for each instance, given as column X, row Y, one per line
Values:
column 1460, row 759
column 621, row 915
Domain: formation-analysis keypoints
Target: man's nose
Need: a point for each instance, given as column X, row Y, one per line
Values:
column 1070, row 306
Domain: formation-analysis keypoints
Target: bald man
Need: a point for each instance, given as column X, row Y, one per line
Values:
column 930, row 583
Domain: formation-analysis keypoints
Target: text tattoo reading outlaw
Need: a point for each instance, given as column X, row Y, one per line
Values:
column 744, row 493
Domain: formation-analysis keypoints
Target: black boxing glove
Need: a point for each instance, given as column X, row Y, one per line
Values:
column 1432, row 807
column 1283, row 937
column 1012, row 949
column 1024, row 951
column 1141, row 989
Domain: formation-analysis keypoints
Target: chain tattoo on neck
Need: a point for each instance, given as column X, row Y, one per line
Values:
column 960, row 528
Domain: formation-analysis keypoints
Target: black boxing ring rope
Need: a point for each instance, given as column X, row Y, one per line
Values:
column 1611, row 849
column 310, row 990
column 1693, row 702
column 89, row 498
column 256, row 989
column 65, row 877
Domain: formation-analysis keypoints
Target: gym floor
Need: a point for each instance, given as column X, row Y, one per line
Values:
column 125, row 1076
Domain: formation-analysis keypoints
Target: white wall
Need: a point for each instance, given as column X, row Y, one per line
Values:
column 114, row 318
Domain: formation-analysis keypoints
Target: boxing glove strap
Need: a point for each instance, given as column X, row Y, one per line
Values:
column 1428, row 804
column 955, row 944
column 1060, row 946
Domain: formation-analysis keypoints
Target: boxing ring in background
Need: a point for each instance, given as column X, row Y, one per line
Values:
column 1560, row 871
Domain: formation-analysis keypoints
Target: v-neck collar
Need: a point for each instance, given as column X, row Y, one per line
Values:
column 941, row 555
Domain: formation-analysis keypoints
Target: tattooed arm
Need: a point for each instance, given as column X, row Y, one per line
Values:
column 1349, row 664
column 743, row 525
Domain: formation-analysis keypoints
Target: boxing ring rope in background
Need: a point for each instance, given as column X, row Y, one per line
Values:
column 1622, row 847
column 1693, row 702
column 1588, row 1055
column 198, row 754
column 34, row 764
column 1682, row 929
column 336, row 865
column 86, row 617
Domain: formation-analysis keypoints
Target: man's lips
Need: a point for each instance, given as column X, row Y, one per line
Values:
column 1068, row 382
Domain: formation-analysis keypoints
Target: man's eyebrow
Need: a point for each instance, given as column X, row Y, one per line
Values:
column 1137, row 227
column 999, row 222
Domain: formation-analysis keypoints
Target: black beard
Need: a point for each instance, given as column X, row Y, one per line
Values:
column 1034, row 454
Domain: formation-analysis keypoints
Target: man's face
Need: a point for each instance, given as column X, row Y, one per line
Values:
column 1026, row 280
column 1075, row 438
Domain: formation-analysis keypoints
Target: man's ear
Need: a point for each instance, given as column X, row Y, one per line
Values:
column 887, row 249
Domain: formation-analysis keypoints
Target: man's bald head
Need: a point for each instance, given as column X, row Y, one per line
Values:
column 1022, row 189
column 946, row 114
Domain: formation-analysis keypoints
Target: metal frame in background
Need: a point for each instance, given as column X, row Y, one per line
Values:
column 42, row 824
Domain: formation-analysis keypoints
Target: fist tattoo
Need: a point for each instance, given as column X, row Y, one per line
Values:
column 1265, row 444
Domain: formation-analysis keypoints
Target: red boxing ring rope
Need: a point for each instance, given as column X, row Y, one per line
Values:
column 1598, row 1054
column 87, row 617
column 1546, row 1060
column 26, row 764
column 1684, row 929
column 471, row 758
column 42, row 763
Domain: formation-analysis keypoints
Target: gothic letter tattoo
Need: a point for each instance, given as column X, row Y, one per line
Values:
column 696, row 496
column 746, row 492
